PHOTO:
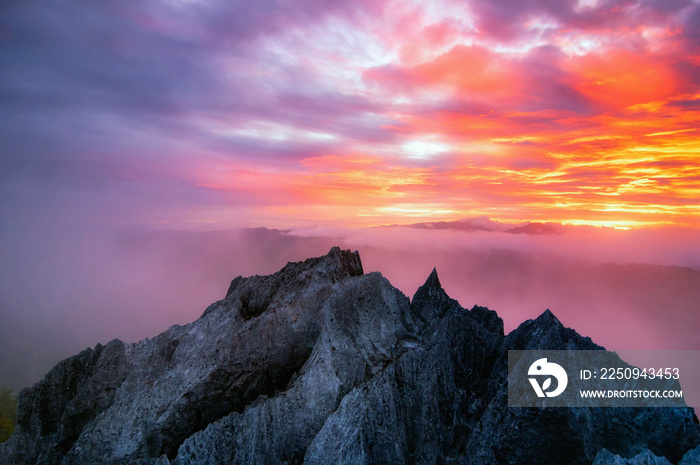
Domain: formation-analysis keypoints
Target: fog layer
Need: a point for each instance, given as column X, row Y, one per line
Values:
column 64, row 290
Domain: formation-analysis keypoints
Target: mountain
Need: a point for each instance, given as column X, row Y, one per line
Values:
column 538, row 229
column 320, row 363
column 479, row 223
column 482, row 223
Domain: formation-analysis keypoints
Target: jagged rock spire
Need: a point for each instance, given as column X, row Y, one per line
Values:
column 430, row 301
column 433, row 282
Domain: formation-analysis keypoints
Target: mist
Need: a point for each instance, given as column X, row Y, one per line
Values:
column 67, row 289
column 637, row 289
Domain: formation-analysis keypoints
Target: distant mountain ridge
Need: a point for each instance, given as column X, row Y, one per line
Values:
column 320, row 363
column 482, row 223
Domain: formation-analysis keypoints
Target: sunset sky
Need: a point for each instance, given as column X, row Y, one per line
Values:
column 194, row 114
column 138, row 140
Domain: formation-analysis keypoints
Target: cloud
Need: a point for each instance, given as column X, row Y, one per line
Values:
column 209, row 105
column 518, row 20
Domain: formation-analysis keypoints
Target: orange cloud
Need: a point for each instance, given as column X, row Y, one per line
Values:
column 620, row 78
column 588, row 123
column 468, row 70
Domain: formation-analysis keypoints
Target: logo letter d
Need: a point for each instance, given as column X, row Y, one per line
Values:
column 542, row 367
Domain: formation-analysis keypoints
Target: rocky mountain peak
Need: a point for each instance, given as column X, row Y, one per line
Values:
column 433, row 282
column 320, row 363
column 548, row 318
column 547, row 332
column 346, row 261
column 256, row 293
column 431, row 302
column 335, row 265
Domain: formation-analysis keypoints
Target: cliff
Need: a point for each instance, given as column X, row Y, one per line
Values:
column 320, row 363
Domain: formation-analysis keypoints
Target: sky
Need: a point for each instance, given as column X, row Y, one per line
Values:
column 139, row 139
column 185, row 113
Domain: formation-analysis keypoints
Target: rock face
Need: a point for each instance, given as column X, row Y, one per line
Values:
column 643, row 458
column 322, row 364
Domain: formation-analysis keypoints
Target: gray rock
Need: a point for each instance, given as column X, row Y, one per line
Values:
column 361, row 331
column 646, row 457
column 691, row 457
column 320, row 363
